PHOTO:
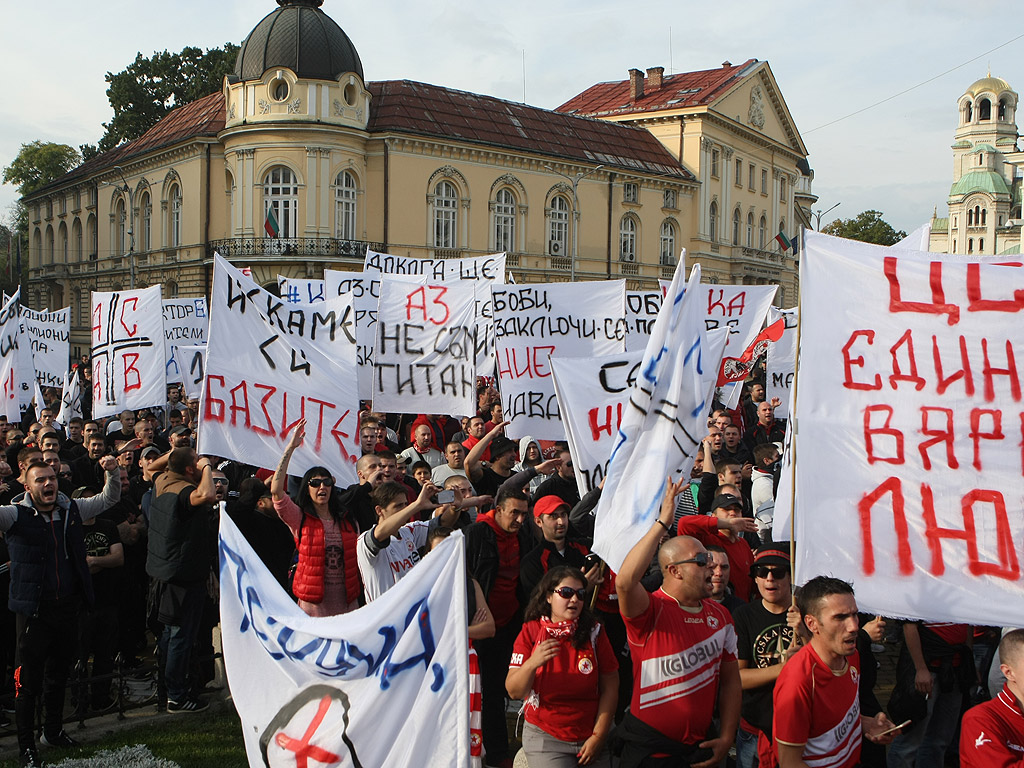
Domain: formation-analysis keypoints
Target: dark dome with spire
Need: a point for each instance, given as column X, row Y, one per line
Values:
column 301, row 37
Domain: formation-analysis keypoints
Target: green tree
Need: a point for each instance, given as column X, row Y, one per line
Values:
column 149, row 88
column 868, row 227
column 38, row 163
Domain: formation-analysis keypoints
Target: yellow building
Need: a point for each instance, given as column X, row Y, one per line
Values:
column 731, row 128
column 985, row 199
column 343, row 165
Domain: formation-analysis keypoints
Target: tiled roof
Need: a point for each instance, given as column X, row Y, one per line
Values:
column 432, row 110
column 203, row 117
column 687, row 89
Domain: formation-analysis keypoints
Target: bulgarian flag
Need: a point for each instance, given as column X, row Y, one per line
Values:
column 271, row 226
column 783, row 241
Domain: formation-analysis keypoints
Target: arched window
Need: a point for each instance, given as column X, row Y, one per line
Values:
column 736, row 227
column 345, row 206
column 970, row 218
column 62, row 239
column 970, row 245
column 558, row 226
column 120, row 221
column 281, row 195
column 981, row 245
column 1002, row 109
column 667, row 243
column 174, row 230
column 761, row 232
column 92, row 236
column 968, row 112
column 504, row 220
column 984, row 216
column 146, row 209
column 446, row 209
column 984, row 109
column 713, row 216
column 627, row 239
column 750, row 230
column 49, row 245
column 76, row 239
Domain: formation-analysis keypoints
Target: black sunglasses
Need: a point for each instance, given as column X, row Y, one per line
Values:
column 220, row 481
column 779, row 572
column 703, row 559
column 316, row 482
column 568, row 592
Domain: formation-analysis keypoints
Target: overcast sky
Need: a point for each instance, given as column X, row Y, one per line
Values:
column 830, row 60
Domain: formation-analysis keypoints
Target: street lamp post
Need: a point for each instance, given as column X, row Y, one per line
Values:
column 818, row 214
column 575, row 182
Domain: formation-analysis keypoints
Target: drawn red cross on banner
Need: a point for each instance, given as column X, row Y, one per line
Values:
column 111, row 348
column 302, row 748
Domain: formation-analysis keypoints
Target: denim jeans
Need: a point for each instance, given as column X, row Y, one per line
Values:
column 746, row 749
column 925, row 745
column 178, row 640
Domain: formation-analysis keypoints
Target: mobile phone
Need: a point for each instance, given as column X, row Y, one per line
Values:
column 590, row 561
column 446, row 497
column 904, row 724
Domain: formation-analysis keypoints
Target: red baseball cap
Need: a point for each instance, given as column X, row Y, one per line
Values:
column 547, row 504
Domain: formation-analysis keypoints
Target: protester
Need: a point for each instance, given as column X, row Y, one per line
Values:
column 326, row 576
column 992, row 733
column 564, row 668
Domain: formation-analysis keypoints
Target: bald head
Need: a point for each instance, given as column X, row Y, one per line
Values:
column 678, row 548
column 1011, row 647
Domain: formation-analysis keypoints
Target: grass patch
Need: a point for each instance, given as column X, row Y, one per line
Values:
column 211, row 739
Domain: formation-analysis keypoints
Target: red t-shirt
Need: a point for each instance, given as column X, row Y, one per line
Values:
column 677, row 656
column 819, row 710
column 565, row 692
column 704, row 528
column 992, row 734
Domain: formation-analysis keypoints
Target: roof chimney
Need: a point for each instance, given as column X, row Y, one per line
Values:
column 636, row 85
column 726, row 64
column 654, row 75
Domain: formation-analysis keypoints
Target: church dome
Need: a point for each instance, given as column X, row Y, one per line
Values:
column 301, row 37
column 989, row 84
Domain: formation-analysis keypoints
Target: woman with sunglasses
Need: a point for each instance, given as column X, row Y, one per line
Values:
column 326, row 579
column 564, row 667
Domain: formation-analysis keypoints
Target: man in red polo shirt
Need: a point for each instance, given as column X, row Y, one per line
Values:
column 725, row 527
column 992, row 733
column 817, row 720
column 684, row 653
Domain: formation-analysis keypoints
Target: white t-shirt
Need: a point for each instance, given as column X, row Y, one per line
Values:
column 381, row 569
column 433, row 457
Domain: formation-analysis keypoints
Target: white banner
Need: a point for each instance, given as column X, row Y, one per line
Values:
column 908, row 431
column 70, row 399
column 489, row 269
column 531, row 323
column 780, row 367
column 363, row 289
column 185, row 324
column 47, row 336
column 427, row 339
column 192, row 362
column 300, row 290
column 592, row 393
column 11, row 379
column 483, row 271
column 386, row 685
column 642, row 309
column 127, row 351
column 265, row 370
column 664, row 423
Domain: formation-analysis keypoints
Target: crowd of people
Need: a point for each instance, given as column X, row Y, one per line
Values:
column 695, row 653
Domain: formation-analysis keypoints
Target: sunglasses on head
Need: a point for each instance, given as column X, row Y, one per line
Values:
column 316, row 482
column 703, row 559
column 568, row 592
column 778, row 571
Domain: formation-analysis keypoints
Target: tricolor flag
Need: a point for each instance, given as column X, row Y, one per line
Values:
column 270, row 225
column 783, row 241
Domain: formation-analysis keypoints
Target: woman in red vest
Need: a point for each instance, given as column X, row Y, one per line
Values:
column 326, row 579
column 564, row 667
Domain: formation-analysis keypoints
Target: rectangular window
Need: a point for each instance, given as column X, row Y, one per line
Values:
column 739, row 172
column 714, row 163
column 750, row 181
column 670, row 199
column 764, row 182
column 782, row 189
column 630, row 192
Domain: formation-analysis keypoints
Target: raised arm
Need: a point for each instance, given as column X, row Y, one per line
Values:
column 633, row 598
column 473, row 457
column 279, row 483
column 89, row 507
column 388, row 526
